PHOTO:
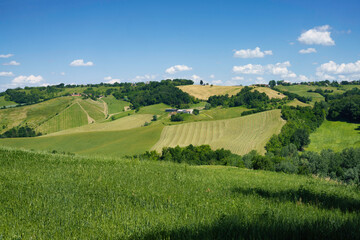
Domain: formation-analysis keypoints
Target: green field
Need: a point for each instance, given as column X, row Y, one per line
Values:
column 128, row 122
column 114, row 105
column 240, row 135
column 101, row 143
column 34, row 115
column 95, row 109
column 3, row 102
column 296, row 102
column 45, row 196
column 71, row 117
column 302, row 90
column 335, row 135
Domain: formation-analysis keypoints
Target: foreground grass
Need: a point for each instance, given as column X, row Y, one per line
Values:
column 335, row 135
column 46, row 196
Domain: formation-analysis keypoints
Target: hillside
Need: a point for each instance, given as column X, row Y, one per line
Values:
column 335, row 135
column 240, row 135
column 47, row 196
column 204, row 92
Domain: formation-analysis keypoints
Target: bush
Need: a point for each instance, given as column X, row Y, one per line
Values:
column 196, row 112
column 177, row 117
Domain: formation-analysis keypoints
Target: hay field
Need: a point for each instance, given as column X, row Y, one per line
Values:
column 71, row 117
column 296, row 102
column 335, row 135
column 204, row 92
column 270, row 92
column 239, row 135
column 124, row 123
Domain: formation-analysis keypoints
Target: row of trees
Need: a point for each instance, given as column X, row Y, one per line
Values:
column 155, row 92
column 24, row 131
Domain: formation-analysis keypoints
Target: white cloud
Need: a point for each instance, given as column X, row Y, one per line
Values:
column 303, row 78
column 177, row 68
column 317, row 35
column 111, row 80
column 237, row 78
column 343, row 68
column 217, row 82
column 249, row 69
column 27, row 79
column 6, row 74
column 81, row 63
column 291, row 43
column 308, row 50
column 147, row 77
column 6, row 55
column 12, row 63
column 280, row 69
column 251, row 53
column 195, row 77
column 212, row 76
column 62, row 74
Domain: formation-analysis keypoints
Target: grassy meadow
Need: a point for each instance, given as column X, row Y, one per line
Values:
column 239, row 135
column 114, row 105
column 50, row 196
column 3, row 102
column 335, row 135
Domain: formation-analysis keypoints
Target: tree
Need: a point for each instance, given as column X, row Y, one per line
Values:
column 272, row 83
column 201, row 82
column 177, row 118
column 207, row 106
column 196, row 111
column 154, row 118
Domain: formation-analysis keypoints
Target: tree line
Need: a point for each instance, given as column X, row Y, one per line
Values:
column 21, row 131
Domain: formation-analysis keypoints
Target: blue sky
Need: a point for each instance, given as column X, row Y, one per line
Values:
column 222, row 42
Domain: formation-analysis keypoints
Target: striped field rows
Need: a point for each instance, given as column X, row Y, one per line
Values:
column 240, row 135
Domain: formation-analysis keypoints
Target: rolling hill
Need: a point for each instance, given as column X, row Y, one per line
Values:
column 204, row 92
column 51, row 196
column 240, row 135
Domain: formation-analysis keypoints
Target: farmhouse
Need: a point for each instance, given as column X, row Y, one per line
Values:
column 171, row 110
column 76, row 95
column 174, row 111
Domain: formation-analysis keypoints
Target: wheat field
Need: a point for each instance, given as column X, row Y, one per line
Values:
column 239, row 135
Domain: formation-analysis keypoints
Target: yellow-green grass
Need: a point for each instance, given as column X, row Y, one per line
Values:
column 239, row 135
column 3, row 102
column 128, row 122
column 156, row 109
column 101, row 143
column 33, row 115
column 114, row 105
column 50, row 196
column 199, row 105
column 71, row 117
column 348, row 87
column 270, row 92
column 95, row 109
column 296, row 102
column 335, row 135
column 204, row 92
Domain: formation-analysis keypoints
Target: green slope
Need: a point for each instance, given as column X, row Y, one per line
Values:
column 109, row 143
column 46, row 196
column 114, row 105
column 335, row 135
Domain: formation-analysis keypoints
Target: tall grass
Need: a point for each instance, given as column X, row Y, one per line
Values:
column 45, row 196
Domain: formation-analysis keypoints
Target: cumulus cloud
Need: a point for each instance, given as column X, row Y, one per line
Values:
column 6, row 74
column 6, row 55
column 237, row 78
column 343, row 71
column 303, row 78
column 81, row 63
column 317, row 35
column 20, row 80
column 212, row 76
column 12, row 63
column 111, row 80
column 308, row 50
column 280, row 69
column 177, row 68
column 216, row 82
column 62, row 74
column 251, row 53
column 195, row 77
column 147, row 77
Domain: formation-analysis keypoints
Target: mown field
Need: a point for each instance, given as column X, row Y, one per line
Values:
column 114, row 105
column 335, row 135
column 100, row 143
column 239, row 135
column 45, row 196
column 204, row 92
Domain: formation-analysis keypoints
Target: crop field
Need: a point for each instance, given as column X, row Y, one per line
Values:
column 270, row 92
column 204, row 92
column 71, row 117
column 158, row 109
column 3, row 102
column 95, row 109
column 50, row 196
column 335, row 135
column 100, row 143
column 114, row 105
column 34, row 115
column 239, row 135
column 296, row 102
column 128, row 122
